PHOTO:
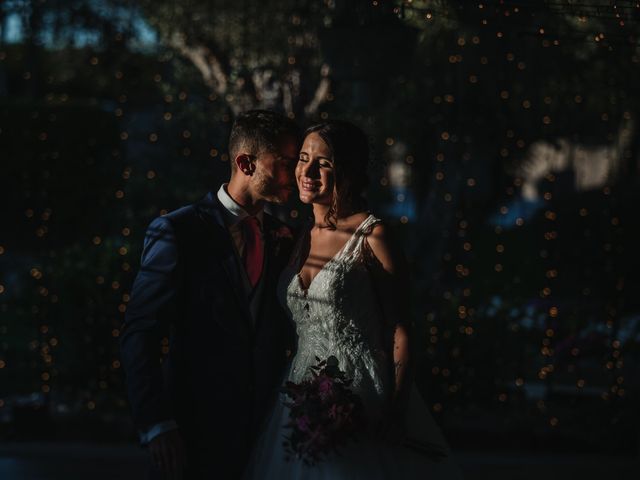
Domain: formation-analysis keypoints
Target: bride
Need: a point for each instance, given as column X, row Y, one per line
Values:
column 346, row 290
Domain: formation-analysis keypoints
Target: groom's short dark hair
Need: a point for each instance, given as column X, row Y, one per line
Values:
column 256, row 131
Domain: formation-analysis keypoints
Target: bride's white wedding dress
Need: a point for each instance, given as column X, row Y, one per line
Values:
column 339, row 315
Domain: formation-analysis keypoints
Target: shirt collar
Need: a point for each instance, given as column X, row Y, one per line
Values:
column 234, row 213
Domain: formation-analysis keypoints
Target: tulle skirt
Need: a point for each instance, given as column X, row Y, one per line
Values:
column 368, row 458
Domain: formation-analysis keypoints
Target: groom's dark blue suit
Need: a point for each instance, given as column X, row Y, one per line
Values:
column 224, row 364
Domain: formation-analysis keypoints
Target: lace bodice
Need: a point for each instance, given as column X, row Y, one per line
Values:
column 339, row 314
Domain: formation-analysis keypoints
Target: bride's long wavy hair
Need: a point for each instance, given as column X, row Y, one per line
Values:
column 349, row 149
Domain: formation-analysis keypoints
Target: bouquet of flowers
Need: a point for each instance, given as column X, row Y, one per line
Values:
column 323, row 412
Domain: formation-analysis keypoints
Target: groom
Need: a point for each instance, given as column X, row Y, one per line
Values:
column 208, row 276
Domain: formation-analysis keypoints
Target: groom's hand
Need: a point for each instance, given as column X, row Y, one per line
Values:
column 169, row 455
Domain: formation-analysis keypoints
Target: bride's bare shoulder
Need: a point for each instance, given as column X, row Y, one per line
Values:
column 355, row 220
column 385, row 248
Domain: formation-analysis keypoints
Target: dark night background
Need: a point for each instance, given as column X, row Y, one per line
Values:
column 506, row 154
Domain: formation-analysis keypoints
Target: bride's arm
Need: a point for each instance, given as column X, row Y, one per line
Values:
column 391, row 277
column 402, row 368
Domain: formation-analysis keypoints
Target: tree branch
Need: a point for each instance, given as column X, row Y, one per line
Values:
column 287, row 99
column 322, row 91
column 205, row 61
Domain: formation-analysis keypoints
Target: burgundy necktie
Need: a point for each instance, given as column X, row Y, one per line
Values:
column 253, row 250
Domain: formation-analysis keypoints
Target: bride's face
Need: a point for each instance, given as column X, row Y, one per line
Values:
column 314, row 171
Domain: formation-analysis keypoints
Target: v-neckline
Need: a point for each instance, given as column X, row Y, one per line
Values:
column 336, row 255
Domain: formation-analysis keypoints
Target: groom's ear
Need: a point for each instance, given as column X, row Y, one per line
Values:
column 245, row 163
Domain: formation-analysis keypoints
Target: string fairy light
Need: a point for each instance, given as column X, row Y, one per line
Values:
column 493, row 37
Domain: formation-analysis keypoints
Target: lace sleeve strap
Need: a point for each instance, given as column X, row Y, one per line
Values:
column 362, row 248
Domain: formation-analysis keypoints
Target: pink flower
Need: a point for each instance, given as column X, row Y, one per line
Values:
column 325, row 386
column 282, row 232
column 303, row 423
column 324, row 413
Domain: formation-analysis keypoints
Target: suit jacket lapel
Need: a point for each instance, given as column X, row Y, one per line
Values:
column 271, row 261
column 266, row 278
column 209, row 211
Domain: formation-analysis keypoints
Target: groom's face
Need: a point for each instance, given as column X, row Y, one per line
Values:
column 273, row 179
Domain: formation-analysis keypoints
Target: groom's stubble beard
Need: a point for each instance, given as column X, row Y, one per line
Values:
column 268, row 188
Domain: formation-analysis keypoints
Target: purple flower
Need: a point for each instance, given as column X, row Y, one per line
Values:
column 324, row 413
column 303, row 423
column 325, row 386
column 282, row 232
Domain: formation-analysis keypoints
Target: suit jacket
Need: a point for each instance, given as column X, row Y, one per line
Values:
column 224, row 367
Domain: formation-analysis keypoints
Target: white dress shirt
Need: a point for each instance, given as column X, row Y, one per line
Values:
column 234, row 215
